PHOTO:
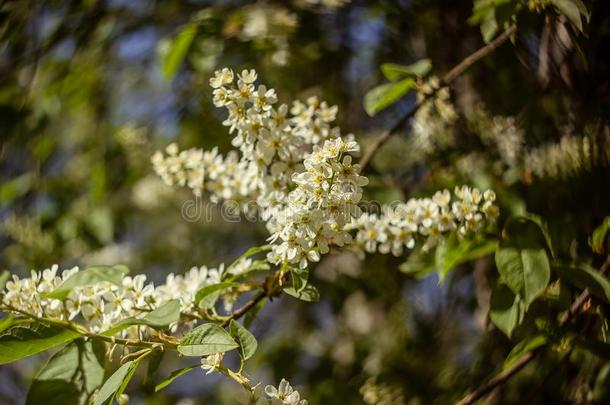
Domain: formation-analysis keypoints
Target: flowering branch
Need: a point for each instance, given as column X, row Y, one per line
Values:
column 453, row 74
column 504, row 376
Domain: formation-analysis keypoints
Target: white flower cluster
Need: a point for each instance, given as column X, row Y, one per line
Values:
column 318, row 210
column 103, row 305
column 402, row 225
column 296, row 167
column 569, row 157
column 224, row 178
column 433, row 121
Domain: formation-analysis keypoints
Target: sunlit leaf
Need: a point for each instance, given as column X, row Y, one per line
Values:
column 386, row 94
column 90, row 276
column 206, row 339
column 176, row 50
column 418, row 69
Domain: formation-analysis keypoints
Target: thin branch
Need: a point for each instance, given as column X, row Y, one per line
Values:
column 241, row 311
column 504, row 376
column 445, row 81
column 80, row 329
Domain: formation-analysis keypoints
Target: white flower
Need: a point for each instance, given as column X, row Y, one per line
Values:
column 212, row 363
column 285, row 393
column 221, row 77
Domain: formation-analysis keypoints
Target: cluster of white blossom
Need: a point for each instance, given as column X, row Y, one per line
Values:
column 434, row 119
column 400, row 226
column 323, row 203
column 297, row 167
column 223, row 178
column 569, row 157
column 101, row 306
column 500, row 133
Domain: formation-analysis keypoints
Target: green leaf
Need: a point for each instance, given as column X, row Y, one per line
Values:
column 419, row 263
column 525, row 271
column 572, row 10
column 385, row 95
column 3, row 279
column 174, row 51
column 541, row 225
column 491, row 15
column 130, row 372
column 505, row 309
column 114, row 383
column 309, row 293
column 206, row 339
column 7, row 322
column 453, row 251
column 159, row 318
column 19, row 342
column 394, row 72
column 89, row 276
column 246, row 340
column 215, row 289
column 71, row 376
column 522, row 260
column 523, row 347
column 584, row 276
column 599, row 236
column 175, row 374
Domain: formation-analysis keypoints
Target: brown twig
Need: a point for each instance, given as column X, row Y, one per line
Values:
column 505, row 375
column 241, row 311
column 445, row 81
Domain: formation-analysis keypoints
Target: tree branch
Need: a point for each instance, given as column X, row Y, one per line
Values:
column 445, row 81
column 504, row 376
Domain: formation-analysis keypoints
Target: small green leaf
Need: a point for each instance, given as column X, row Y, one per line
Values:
column 246, row 340
column 385, row 95
column 175, row 374
column 7, row 322
column 174, row 51
column 505, row 309
column 394, row 72
column 208, row 290
column 599, row 236
column 522, row 261
column 525, row 271
column 419, row 263
column 309, row 293
column 572, row 10
column 55, row 383
column 206, row 339
column 523, row 347
column 4, row 276
column 584, row 276
column 89, row 276
column 159, row 318
column 18, row 342
column 130, row 372
column 113, row 383
column 453, row 251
